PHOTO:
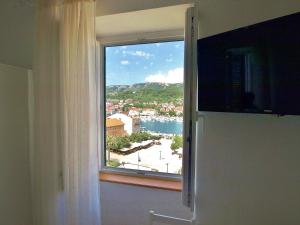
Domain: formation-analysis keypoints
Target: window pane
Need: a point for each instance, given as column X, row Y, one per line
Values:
column 144, row 106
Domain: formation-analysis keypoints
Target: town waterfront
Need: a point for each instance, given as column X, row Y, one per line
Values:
column 144, row 106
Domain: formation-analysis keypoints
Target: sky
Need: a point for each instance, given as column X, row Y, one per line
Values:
column 154, row 62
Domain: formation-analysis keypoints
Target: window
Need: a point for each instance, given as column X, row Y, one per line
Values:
column 143, row 113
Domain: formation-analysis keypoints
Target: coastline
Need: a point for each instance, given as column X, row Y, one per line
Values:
column 161, row 118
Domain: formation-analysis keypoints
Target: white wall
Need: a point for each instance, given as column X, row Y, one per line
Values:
column 17, row 32
column 129, row 205
column 218, row 16
column 248, row 165
column 15, row 207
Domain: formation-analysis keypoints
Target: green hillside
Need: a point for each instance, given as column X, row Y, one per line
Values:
column 146, row 92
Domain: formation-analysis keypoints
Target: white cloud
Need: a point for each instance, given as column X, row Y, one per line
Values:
column 169, row 60
column 137, row 53
column 123, row 47
column 142, row 54
column 172, row 76
column 124, row 62
column 177, row 46
column 158, row 44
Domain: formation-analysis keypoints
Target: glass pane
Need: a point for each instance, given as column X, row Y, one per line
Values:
column 144, row 106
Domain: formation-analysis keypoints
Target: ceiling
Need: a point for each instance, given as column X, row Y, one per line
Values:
column 169, row 18
column 108, row 7
column 17, row 23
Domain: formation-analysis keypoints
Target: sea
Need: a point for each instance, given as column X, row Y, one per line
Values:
column 164, row 127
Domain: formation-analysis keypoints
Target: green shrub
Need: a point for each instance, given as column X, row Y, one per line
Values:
column 113, row 163
column 119, row 142
column 172, row 113
column 140, row 136
column 177, row 142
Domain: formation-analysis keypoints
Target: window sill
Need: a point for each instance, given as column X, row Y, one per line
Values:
column 149, row 182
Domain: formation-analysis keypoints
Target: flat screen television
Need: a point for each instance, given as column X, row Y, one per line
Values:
column 254, row 69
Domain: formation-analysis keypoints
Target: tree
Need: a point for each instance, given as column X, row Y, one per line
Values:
column 177, row 142
column 119, row 142
column 172, row 113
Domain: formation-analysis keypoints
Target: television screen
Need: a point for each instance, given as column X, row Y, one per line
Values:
column 255, row 69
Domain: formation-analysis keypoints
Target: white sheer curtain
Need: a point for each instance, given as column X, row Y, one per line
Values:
column 65, row 160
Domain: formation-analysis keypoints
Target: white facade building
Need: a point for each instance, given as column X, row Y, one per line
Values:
column 133, row 113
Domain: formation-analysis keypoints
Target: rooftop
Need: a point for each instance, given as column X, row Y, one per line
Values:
column 113, row 122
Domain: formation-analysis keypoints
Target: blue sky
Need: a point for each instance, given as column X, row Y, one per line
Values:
column 155, row 62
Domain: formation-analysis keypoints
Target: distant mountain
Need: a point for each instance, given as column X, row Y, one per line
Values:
column 116, row 88
column 146, row 92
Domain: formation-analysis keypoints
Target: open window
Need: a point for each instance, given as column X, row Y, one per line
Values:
column 143, row 100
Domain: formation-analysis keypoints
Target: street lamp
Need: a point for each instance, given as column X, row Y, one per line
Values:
column 139, row 160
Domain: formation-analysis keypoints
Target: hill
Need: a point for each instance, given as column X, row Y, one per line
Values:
column 146, row 92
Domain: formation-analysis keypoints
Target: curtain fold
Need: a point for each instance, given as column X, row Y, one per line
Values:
column 65, row 160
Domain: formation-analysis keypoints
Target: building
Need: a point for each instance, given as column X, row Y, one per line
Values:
column 131, row 124
column 136, row 124
column 114, row 127
column 133, row 112
column 148, row 112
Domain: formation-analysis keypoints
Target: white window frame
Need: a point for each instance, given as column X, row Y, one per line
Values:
column 157, row 37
